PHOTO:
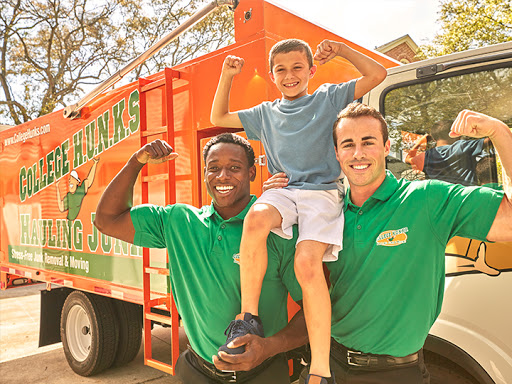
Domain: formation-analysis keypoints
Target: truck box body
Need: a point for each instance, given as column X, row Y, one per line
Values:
column 54, row 169
column 41, row 242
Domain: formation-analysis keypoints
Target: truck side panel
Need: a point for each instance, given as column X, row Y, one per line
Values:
column 54, row 172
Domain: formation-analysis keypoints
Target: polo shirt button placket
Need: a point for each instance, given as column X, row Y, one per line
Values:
column 222, row 226
column 360, row 213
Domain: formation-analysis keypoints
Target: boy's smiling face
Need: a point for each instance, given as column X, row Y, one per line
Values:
column 291, row 74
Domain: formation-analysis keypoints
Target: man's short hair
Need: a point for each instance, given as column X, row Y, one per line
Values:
column 441, row 130
column 290, row 45
column 355, row 110
column 230, row 138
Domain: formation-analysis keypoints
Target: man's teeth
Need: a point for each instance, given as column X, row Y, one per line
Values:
column 360, row 166
column 291, row 84
column 224, row 188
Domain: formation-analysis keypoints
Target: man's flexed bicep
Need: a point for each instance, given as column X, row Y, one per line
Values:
column 477, row 125
column 113, row 212
column 119, row 226
column 501, row 228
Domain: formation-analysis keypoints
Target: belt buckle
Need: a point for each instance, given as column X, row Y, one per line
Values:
column 227, row 376
column 356, row 355
column 233, row 378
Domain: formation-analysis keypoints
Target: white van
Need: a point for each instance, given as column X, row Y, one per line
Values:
column 471, row 342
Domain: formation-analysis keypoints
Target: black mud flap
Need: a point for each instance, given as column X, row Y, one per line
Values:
column 51, row 309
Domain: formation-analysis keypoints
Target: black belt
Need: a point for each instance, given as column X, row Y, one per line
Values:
column 357, row 359
column 228, row 376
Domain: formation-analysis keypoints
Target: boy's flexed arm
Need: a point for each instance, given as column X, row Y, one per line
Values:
column 220, row 115
column 373, row 73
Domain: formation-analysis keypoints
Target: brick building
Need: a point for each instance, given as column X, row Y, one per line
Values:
column 402, row 49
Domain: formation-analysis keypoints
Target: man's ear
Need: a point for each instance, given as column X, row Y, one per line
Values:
column 387, row 147
column 312, row 71
column 252, row 173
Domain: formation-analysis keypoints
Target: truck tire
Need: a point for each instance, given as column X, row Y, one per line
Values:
column 444, row 371
column 129, row 322
column 442, row 375
column 88, row 332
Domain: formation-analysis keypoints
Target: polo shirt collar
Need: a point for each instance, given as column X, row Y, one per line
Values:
column 384, row 192
column 212, row 211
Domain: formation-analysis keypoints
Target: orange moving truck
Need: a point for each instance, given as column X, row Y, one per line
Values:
column 54, row 170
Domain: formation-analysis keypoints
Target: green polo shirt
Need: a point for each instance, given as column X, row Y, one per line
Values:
column 205, row 273
column 73, row 201
column 388, row 283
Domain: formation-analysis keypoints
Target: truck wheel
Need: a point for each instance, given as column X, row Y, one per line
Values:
column 88, row 332
column 129, row 321
column 443, row 371
column 442, row 375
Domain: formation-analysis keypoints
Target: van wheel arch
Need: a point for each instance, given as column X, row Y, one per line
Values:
column 449, row 364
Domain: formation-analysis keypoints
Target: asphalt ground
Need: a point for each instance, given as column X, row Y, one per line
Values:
column 22, row 361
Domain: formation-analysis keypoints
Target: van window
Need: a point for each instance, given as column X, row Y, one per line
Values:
column 419, row 116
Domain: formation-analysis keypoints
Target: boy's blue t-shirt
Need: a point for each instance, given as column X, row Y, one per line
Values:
column 297, row 135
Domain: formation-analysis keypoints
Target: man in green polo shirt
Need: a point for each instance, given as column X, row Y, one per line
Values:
column 203, row 246
column 72, row 201
column 388, row 284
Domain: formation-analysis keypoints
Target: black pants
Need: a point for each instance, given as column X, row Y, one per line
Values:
column 414, row 373
column 190, row 370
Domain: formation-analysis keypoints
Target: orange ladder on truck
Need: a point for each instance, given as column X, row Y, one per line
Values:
column 154, row 301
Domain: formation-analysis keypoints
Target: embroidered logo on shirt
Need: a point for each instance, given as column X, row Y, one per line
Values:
column 236, row 258
column 393, row 237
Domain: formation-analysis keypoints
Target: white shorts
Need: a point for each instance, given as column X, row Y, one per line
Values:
column 318, row 213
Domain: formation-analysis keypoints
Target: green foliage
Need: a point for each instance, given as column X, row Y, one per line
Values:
column 156, row 18
column 51, row 50
column 417, row 107
column 467, row 24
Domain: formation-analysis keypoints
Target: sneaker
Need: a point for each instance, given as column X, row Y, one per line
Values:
column 315, row 379
column 250, row 324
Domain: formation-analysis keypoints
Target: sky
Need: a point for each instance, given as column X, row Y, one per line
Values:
column 371, row 23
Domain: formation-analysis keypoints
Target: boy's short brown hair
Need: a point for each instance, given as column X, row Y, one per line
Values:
column 290, row 45
column 355, row 110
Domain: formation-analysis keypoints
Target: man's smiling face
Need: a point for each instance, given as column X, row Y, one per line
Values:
column 361, row 152
column 227, row 177
column 73, row 184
